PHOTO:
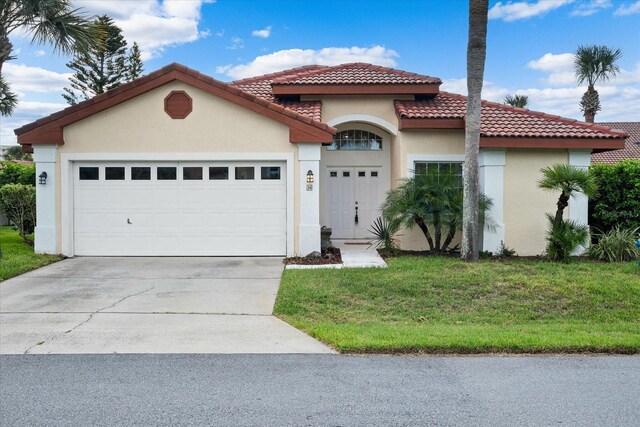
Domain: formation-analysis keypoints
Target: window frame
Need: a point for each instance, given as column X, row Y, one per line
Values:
column 338, row 143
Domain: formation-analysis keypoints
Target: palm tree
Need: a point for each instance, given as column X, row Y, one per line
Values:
column 476, row 53
column 564, row 237
column 433, row 202
column 594, row 64
column 48, row 21
column 568, row 180
column 520, row 101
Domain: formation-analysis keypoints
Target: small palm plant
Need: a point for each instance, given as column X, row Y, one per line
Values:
column 384, row 234
column 594, row 64
column 564, row 237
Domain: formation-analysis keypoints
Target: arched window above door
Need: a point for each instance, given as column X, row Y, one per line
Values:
column 356, row 139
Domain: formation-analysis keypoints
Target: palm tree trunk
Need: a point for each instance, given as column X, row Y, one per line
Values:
column 563, row 202
column 425, row 231
column 450, row 235
column 6, row 47
column 476, row 53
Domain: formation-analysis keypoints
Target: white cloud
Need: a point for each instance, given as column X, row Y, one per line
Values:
column 34, row 79
column 591, row 7
column 513, row 11
column 236, row 43
column 263, row 33
column 558, row 66
column 40, row 53
column 153, row 24
column 631, row 9
column 291, row 58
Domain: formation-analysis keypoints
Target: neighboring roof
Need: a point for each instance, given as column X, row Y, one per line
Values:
column 447, row 110
column 303, row 128
column 354, row 78
column 631, row 148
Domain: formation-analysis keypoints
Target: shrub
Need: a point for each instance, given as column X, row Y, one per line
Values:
column 615, row 245
column 18, row 202
column 15, row 173
column 564, row 237
column 383, row 233
column 618, row 203
column 433, row 202
column 505, row 251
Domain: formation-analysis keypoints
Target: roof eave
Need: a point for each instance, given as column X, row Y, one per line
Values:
column 49, row 130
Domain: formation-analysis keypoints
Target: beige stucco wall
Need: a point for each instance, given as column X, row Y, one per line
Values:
column 525, row 204
column 140, row 125
column 381, row 106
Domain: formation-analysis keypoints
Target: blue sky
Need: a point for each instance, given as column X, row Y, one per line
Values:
column 529, row 45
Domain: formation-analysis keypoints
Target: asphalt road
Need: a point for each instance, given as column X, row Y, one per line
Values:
column 331, row 390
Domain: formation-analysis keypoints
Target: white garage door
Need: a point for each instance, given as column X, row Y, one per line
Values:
column 164, row 209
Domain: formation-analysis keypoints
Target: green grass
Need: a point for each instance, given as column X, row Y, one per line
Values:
column 443, row 305
column 18, row 256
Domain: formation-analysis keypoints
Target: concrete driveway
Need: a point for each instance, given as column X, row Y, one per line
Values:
column 148, row 305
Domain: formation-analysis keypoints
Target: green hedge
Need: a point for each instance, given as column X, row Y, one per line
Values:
column 14, row 173
column 619, row 200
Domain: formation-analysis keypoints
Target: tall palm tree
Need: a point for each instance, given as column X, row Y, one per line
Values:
column 476, row 53
column 520, row 101
column 594, row 64
column 52, row 22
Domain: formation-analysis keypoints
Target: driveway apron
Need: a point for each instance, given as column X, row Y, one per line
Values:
column 148, row 305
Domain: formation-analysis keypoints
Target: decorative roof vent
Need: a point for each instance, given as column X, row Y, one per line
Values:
column 178, row 104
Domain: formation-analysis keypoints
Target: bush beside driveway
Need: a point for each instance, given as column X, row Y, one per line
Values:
column 443, row 305
column 17, row 255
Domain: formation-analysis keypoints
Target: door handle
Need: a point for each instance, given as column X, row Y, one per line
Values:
column 356, row 218
column 129, row 221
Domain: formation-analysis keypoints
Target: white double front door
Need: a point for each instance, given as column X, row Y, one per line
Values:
column 353, row 199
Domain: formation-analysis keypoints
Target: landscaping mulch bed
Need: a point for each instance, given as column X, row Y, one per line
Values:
column 329, row 256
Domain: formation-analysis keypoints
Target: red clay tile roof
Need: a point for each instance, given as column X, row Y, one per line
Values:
column 503, row 120
column 260, row 86
column 354, row 73
column 631, row 148
column 307, row 114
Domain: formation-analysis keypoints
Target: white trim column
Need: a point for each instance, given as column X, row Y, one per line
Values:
column 309, row 227
column 579, row 203
column 46, row 233
column 491, row 164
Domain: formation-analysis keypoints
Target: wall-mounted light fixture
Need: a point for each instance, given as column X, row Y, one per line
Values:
column 42, row 178
column 310, row 180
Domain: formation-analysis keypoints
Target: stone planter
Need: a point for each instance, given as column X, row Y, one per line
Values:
column 325, row 238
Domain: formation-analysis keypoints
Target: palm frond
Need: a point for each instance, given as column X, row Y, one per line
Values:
column 596, row 63
column 568, row 179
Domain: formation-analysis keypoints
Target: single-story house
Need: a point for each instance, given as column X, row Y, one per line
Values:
column 178, row 163
column 631, row 148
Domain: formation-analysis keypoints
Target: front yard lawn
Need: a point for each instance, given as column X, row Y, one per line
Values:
column 18, row 256
column 443, row 305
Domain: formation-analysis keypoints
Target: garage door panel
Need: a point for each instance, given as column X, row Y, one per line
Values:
column 180, row 217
